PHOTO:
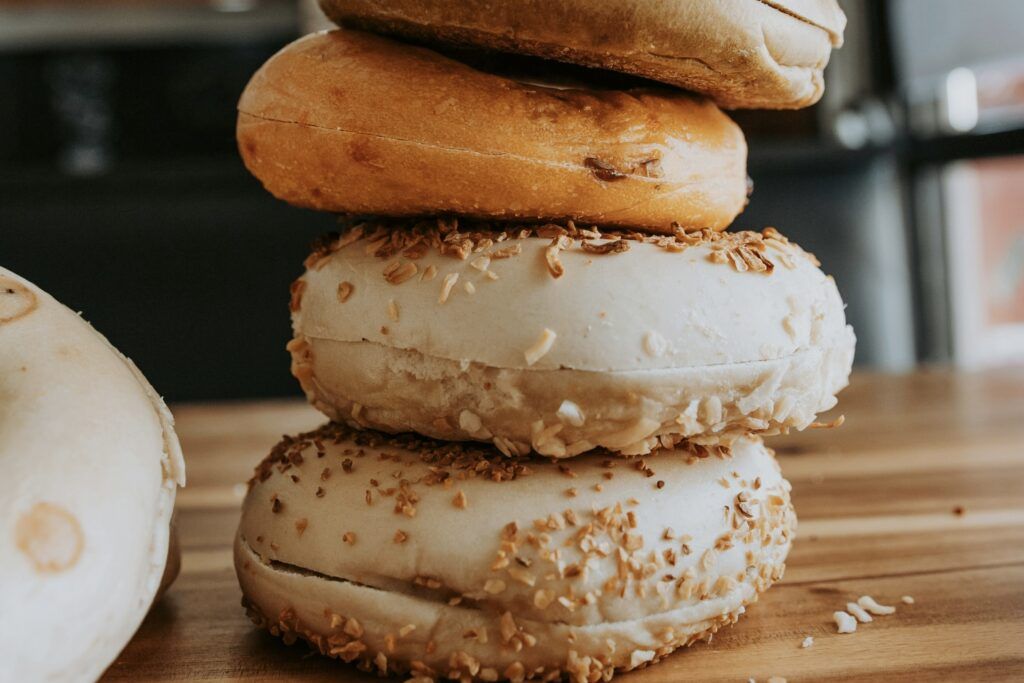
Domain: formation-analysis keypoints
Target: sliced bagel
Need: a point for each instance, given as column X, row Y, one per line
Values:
column 742, row 53
column 454, row 561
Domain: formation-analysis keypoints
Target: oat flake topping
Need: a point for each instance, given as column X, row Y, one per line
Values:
column 400, row 242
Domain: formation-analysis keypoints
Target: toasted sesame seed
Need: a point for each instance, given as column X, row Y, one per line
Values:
column 638, row 657
column 345, row 290
column 868, row 603
column 543, row 597
column 571, row 414
column 838, row 422
column 522, row 576
column 460, row 501
column 354, row 628
column 506, row 252
column 349, row 537
column 393, row 311
column 858, row 612
column 398, row 272
column 401, row 536
column 654, row 344
column 541, row 346
column 297, row 288
column 844, row 622
column 555, row 266
column 907, row 600
column 446, row 286
column 301, row 524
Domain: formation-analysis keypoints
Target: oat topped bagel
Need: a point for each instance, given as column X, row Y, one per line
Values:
column 558, row 339
column 576, row 569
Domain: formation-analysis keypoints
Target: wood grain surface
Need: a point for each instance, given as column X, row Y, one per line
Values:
column 920, row 493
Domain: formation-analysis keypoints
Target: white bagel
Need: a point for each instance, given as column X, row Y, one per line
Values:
column 426, row 328
column 451, row 560
column 91, row 465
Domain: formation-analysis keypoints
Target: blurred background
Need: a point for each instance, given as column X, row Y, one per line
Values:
column 122, row 194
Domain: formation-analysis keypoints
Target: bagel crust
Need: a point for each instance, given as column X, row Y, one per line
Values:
column 91, row 467
column 559, row 340
column 765, row 54
column 347, row 541
column 354, row 123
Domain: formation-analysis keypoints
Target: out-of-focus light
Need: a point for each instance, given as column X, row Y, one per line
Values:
column 961, row 100
column 851, row 129
column 234, row 5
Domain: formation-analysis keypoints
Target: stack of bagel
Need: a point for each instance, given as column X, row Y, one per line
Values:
column 547, row 367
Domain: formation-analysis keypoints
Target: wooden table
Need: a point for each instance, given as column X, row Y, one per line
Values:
column 920, row 493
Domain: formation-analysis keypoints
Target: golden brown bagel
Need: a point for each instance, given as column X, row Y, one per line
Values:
column 742, row 53
column 353, row 123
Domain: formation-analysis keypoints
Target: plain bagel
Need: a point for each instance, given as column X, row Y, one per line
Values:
column 742, row 53
column 353, row 123
column 91, row 465
column 452, row 561
column 560, row 340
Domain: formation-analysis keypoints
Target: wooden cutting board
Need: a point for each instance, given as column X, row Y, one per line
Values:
column 920, row 493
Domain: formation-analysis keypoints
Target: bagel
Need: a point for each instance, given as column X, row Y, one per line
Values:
column 91, row 465
column 358, row 124
column 742, row 53
column 449, row 560
column 559, row 339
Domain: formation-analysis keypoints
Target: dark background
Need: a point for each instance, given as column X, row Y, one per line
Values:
column 121, row 192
